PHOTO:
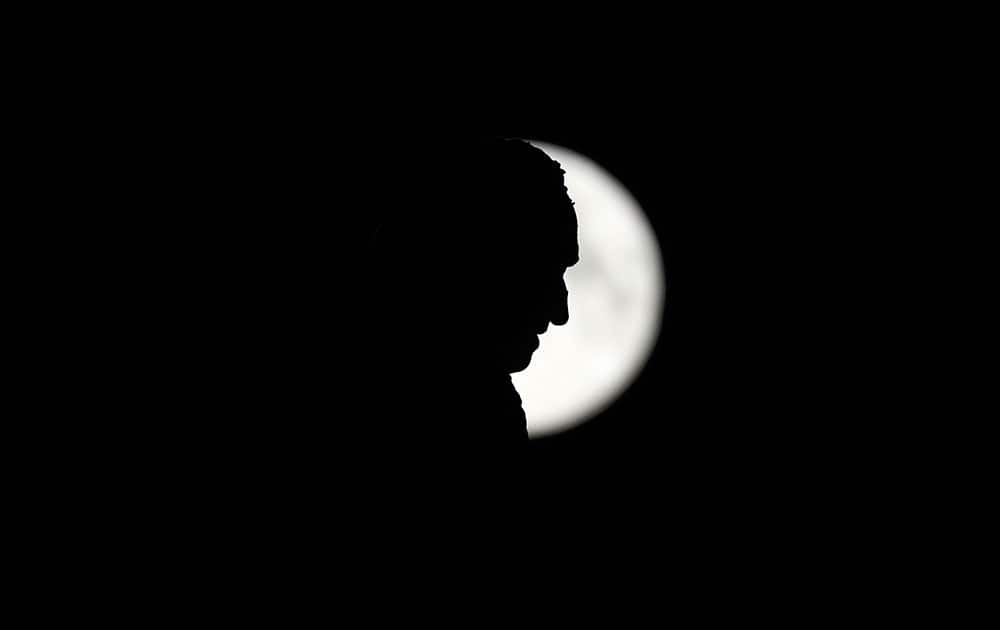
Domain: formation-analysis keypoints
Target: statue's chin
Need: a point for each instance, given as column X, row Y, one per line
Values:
column 519, row 360
column 519, row 366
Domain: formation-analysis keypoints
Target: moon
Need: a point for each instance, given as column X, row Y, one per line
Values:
column 616, row 296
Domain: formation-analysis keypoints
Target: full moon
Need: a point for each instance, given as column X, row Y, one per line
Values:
column 616, row 295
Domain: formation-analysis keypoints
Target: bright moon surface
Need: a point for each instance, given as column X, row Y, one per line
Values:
column 616, row 295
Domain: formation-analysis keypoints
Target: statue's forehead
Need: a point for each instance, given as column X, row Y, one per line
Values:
column 557, row 246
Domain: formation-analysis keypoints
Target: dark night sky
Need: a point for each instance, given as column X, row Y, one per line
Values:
column 236, row 275
column 732, row 189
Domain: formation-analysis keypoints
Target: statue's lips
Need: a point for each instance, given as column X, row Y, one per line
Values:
column 526, row 342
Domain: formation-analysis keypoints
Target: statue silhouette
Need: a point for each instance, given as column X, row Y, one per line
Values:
column 466, row 272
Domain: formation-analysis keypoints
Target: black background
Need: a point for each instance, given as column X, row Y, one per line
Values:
column 257, row 212
column 220, row 326
column 261, row 227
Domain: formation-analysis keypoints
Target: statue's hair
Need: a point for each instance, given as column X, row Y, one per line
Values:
column 487, row 194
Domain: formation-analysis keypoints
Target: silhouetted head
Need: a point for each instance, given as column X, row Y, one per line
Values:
column 472, row 261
